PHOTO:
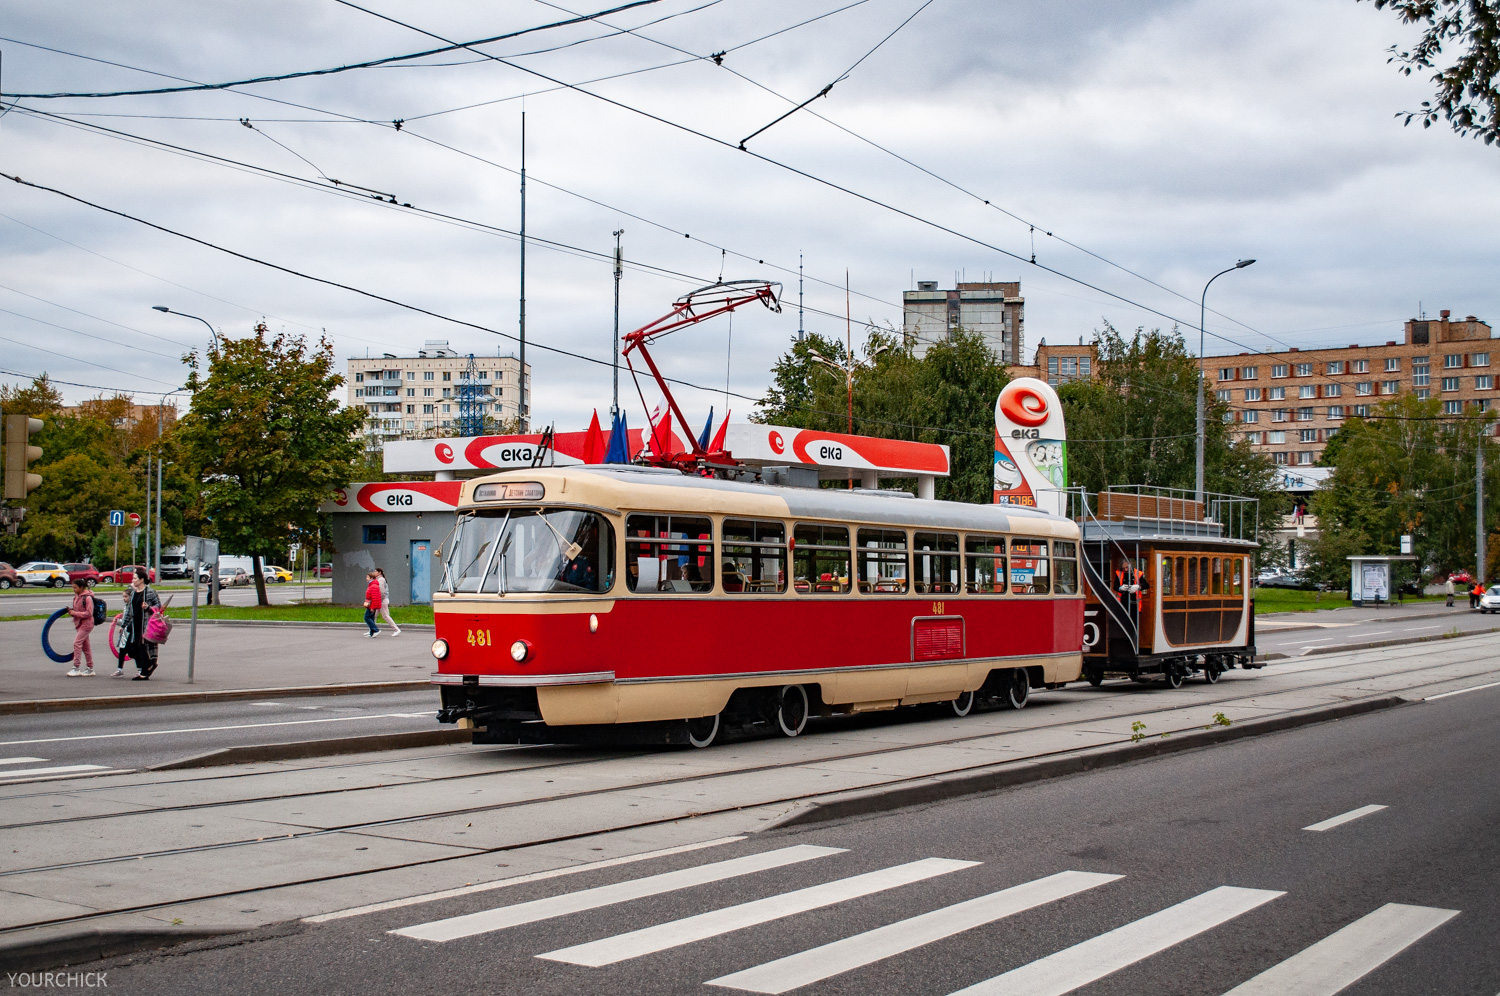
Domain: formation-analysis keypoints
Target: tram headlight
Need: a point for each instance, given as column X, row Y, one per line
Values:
column 440, row 648
column 520, row 651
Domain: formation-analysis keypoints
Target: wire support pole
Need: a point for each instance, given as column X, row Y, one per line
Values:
column 521, row 407
column 614, row 406
column 1481, row 554
column 1202, row 374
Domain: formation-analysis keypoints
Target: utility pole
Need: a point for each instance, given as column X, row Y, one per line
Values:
column 614, row 405
column 1202, row 373
column 521, row 403
column 801, row 332
column 1481, row 555
column 146, row 547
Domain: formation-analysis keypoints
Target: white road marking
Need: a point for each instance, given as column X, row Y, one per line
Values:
column 1342, row 818
column 1462, row 691
column 465, row 890
column 1418, row 629
column 1347, row 955
column 21, row 760
column 676, row 933
column 816, row 964
column 485, row 921
column 207, row 729
column 30, row 772
column 1091, row 960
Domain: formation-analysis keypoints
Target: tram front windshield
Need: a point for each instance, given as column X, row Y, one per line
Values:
column 532, row 550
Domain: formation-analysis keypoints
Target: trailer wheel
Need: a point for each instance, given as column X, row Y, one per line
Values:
column 1212, row 668
column 963, row 705
column 702, row 732
column 791, row 710
column 1095, row 677
column 1173, row 674
column 1018, row 691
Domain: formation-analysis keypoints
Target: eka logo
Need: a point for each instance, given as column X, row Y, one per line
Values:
column 340, row 496
column 777, row 443
column 396, row 499
column 1023, row 405
column 444, row 452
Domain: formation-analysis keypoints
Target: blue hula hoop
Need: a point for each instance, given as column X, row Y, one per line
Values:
column 47, row 645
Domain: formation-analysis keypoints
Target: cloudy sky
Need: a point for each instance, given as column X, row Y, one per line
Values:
column 1164, row 137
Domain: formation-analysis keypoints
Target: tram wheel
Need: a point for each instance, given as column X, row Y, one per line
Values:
column 1095, row 678
column 1019, row 692
column 1212, row 668
column 791, row 710
column 702, row 732
column 963, row 705
column 1174, row 677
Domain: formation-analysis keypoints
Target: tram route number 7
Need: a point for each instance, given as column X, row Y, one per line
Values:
column 481, row 638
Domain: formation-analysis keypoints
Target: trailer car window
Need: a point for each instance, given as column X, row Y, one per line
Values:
column 984, row 564
column 882, row 561
column 820, row 559
column 1029, row 574
column 1202, row 576
column 936, row 562
column 754, row 559
column 668, row 553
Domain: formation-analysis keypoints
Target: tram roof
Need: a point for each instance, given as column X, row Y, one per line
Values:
column 650, row 488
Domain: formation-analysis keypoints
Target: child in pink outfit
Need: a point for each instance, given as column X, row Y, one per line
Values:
column 82, row 612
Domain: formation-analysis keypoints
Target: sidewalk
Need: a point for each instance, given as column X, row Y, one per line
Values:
column 1350, row 616
column 227, row 657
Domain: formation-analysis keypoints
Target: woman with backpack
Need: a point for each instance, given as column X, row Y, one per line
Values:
column 385, row 601
column 141, row 601
column 84, row 613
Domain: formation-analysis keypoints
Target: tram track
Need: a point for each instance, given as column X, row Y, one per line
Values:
column 549, row 765
column 562, row 838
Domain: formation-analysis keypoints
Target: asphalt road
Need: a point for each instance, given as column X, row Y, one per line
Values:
column 1330, row 633
column 30, row 600
column 115, row 739
column 1192, row 874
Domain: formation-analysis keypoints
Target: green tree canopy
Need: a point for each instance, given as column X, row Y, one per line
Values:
column 1467, row 97
column 268, row 440
column 947, row 396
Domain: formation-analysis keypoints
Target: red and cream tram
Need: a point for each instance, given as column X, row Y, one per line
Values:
column 576, row 600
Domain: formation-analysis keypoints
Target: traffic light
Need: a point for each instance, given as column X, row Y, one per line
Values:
column 19, row 454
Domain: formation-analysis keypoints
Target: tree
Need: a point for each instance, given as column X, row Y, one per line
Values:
column 947, row 396
column 1407, row 469
column 1135, row 422
column 268, row 441
column 1467, row 96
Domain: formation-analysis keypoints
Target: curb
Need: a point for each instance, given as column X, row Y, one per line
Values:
column 943, row 788
column 227, row 694
column 297, row 750
column 1375, row 644
column 299, row 623
column 83, row 946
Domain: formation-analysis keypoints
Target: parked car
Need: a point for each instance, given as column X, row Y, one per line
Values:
column 9, row 578
column 126, row 574
column 1461, row 577
column 1490, row 600
column 278, row 574
column 230, row 576
column 87, row 573
column 43, row 572
column 321, row 571
column 1284, row 580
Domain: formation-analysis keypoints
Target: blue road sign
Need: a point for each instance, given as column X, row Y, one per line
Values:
column 117, row 518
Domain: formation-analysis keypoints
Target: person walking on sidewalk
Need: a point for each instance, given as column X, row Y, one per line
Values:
column 140, row 600
column 372, row 602
column 385, row 601
column 82, row 612
column 1449, row 589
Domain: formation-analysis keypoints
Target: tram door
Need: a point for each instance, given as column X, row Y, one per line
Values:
column 421, row 572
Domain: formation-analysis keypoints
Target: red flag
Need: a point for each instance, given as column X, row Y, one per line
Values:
column 593, row 442
column 718, row 444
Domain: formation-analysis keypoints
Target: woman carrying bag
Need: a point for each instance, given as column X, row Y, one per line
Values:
column 141, row 602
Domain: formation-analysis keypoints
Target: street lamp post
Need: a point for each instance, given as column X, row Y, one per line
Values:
column 1202, row 316
column 168, row 311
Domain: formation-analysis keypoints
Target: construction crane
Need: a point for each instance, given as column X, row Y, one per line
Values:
column 690, row 309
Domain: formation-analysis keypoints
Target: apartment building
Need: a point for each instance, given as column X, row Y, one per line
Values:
column 1289, row 404
column 416, row 396
column 994, row 310
column 1059, row 365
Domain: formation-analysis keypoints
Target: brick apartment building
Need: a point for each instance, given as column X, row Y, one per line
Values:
column 1289, row 404
column 1058, row 365
column 994, row 310
column 416, row 396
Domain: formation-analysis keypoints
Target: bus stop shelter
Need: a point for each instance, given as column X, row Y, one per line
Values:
column 1370, row 578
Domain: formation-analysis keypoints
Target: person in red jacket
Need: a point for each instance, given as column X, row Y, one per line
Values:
column 372, row 601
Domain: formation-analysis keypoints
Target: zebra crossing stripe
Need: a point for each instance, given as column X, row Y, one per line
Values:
column 1349, row 954
column 22, row 760
column 649, row 940
column 60, row 770
column 816, row 964
column 485, row 921
column 1342, row 818
column 1091, row 960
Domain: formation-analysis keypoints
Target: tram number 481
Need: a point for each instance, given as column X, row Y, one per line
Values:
column 481, row 638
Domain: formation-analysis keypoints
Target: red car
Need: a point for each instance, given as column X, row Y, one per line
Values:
column 126, row 574
column 82, row 572
column 1461, row 577
column 9, row 578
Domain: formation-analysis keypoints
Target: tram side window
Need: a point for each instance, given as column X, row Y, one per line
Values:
column 820, row 559
column 1029, row 570
column 669, row 553
column 882, row 561
column 754, row 560
column 1192, row 576
column 1202, row 575
column 935, row 563
column 984, row 569
column 1218, row 577
column 1064, row 568
column 1166, row 576
column 1237, row 578
column 1180, row 576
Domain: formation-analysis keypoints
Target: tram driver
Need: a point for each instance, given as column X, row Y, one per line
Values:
column 1130, row 581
